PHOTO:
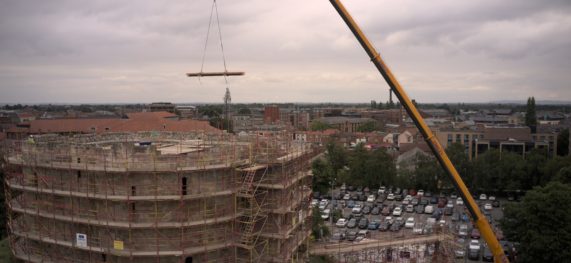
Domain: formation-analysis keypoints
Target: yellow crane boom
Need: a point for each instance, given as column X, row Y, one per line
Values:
column 477, row 217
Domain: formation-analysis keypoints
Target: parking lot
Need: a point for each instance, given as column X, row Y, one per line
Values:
column 391, row 213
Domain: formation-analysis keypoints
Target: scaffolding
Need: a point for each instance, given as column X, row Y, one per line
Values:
column 157, row 197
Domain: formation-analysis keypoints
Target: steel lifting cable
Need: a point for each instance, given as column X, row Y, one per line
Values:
column 214, row 8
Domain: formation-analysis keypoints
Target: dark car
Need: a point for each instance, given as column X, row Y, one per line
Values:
column 423, row 201
column 363, row 223
column 448, row 211
column 496, row 203
column 395, row 227
column 386, row 210
column 350, row 204
column 442, row 202
column 351, row 188
column 366, row 210
column 419, row 209
column 337, row 196
column 475, row 234
column 354, row 196
column 373, row 225
column 352, row 235
column 428, row 194
column 316, row 195
column 376, row 210
column 397, row 191
column 362, row 197
column 399, row 221
column 487, row 256
column 474, row 254
column 352, row 223
column 384, row 226
column 434, row 200
column 414, row 201
column 455, row 217
column 398, row 197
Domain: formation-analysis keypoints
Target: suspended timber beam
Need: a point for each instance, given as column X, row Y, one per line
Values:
column 215, row 74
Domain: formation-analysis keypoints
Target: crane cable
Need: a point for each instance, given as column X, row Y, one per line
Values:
column 213, row 9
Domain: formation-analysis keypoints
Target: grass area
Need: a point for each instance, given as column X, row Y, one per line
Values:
column 5, row 254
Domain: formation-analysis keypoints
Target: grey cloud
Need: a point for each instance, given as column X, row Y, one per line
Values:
column 121, row 51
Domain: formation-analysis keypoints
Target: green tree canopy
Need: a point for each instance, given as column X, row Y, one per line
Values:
column 541, row 223
column 563, row 142
column 318, row 125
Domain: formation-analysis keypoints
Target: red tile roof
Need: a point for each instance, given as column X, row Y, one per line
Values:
column 145, row 121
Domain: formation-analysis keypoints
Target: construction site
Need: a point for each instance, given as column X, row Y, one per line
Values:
column 159, row 197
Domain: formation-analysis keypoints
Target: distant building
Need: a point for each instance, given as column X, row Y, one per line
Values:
column 515, row 139
column 345, row 124
column 162, row 106
column 271, row 114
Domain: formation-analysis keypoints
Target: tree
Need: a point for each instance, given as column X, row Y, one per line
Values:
column 322, row 176
column 541, row 223
column 318, row 125
column 368, row 126
column 530, row 116
column 563, row 142
column 244, row 111
column 2, row 207
column 318, row 227
column 373, row 104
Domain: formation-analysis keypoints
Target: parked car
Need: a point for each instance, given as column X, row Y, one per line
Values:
column 351, row 235
column 386, row 211
column 491, row 198
column 338, row 236
column 342, row 222
column 423, row 201
column 429, row 209
column 391, row 197
column 463, row 230
column 417, row 229
column 460, row 251
column 459, row 201
column 487, row 256
column 397, row 211
column 414, row 201
column 371, row 198
column 384, row 226
column 395, row 227
column 399, row 221
column 350, row 204
column 474, row 254
column 325, row 214
column 363, row 223
column 453, row 196
column 314, row 202
column 323, row 204
column 419, row 209
column 434, row 200
column 366, row 210
column 409, row 222
column 488, row 206
column 382, row 190
column 448, row 211
column 455, row 217
column 375, row 211
column 356, row 209
column 450, row 204
column 409, row 209
column 420, row 192
column 483, row 197
column 352, row 223
column 428, row 194
column 374, row 225
column 346, row 197
column 474, row 244
column 475, row 234
column 390, row 220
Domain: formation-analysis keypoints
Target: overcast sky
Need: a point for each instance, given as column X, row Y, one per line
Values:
column 292, row 51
